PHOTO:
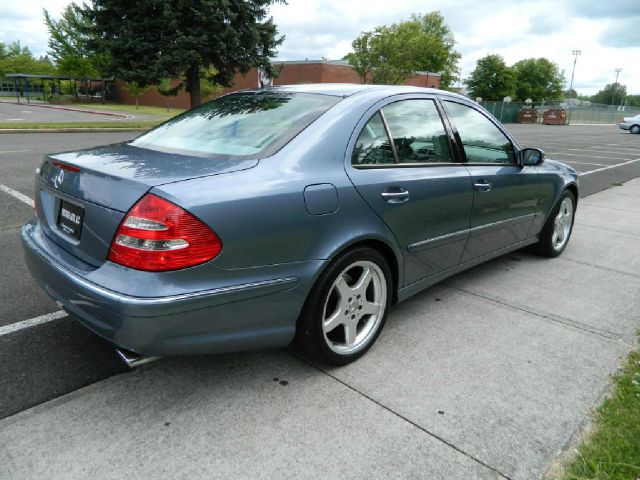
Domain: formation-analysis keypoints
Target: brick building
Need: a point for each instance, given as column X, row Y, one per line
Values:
column 293, row 72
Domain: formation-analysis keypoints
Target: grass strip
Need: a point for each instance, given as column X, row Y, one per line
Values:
column 131, row 109
column 612, row 451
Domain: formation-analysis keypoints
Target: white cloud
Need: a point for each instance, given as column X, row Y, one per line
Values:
column 606, row 32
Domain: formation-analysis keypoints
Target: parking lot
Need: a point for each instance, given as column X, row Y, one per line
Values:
column 488, row 375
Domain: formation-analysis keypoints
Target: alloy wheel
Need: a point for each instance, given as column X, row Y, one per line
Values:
column 562, row 224
column 354, row 307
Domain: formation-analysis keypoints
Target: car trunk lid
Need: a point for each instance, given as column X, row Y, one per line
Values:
column 81, row 197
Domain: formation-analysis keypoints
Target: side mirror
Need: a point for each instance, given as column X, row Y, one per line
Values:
column 531, row 156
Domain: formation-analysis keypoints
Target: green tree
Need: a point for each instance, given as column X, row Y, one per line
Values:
column 135, row 90
column 441, row 56
column 571, row 93
column 632, row 100
column 14, row 58
column 149, row 40
column 391, row 54
column 611, row 92
column 538, row 79
column 492, row 79
column 69, row 43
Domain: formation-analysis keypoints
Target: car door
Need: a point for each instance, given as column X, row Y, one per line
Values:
column 402, row 164
column 505, row 193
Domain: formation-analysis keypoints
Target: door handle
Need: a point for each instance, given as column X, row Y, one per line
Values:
column 395, row 195
column 483, row 186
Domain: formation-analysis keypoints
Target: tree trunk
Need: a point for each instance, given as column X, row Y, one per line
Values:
column 193, row 85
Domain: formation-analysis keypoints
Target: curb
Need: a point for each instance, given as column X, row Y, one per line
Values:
column 73, row 130
column 70, row 109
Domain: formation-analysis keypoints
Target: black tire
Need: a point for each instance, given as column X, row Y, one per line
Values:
column 310, row 337
column 634, row 129
column 545, row 245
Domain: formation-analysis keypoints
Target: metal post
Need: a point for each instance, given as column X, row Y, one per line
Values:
column 575, row 53
column 44, row 92
column 26, row 87
column 15, row 87
column 613, row 96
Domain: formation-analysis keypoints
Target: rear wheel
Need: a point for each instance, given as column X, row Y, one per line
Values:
column 346, row 308
column 557, row 231
column 635, row 129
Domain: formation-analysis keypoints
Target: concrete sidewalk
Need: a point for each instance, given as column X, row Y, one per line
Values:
column 489, row 375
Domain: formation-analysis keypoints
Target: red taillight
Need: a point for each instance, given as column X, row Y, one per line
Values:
column 157, row 235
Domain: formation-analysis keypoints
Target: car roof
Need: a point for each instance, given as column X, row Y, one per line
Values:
column 348, row 89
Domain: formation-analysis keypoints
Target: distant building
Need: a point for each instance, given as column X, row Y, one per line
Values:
column 292, row 72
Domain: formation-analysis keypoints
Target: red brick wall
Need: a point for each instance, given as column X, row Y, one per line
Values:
column 293, row 73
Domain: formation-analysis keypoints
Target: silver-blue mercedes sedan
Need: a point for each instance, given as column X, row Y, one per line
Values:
column 291, row 214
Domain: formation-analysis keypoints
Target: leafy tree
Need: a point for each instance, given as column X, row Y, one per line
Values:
column 149, row 40
column 571, row 93
column 135, row 90
column 167, row 88
column 14, row 58
column 391, row 54
column 538, row 79
column 492, row 79
column 441, row 56
column 611, row 92
column 69, row 44
column 632, row 100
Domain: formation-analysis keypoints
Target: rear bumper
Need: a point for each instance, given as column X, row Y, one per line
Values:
column 241, row 316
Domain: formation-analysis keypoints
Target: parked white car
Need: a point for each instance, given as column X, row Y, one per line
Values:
column 631, row 123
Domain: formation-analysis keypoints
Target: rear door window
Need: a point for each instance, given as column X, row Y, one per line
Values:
column 417, row 131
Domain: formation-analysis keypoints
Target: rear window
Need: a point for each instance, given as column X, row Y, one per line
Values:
column 241, row 125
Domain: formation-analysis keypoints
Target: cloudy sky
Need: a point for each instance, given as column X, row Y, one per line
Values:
column 607, row 32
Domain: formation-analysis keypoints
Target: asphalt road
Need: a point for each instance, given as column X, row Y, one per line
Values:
column 43, row 361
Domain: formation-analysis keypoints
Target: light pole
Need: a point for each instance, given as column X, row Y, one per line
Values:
column 613, row 95
column 575, row 53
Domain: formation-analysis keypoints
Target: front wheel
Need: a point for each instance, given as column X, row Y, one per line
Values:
column 347, row 307
column 635, row 129
column 557, row 231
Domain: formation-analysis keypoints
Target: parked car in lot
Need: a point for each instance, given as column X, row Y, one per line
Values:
column 295, row 213
column 631, row 123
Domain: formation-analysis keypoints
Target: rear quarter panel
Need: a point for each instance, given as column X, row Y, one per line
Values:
column 260, row 213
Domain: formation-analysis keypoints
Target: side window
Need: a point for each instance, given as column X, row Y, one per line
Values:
column 483, row 142
column 417, row 132
column 373, row 146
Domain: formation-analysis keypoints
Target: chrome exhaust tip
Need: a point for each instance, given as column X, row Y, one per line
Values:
column 134, row 360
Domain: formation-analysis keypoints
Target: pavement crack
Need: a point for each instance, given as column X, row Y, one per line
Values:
column 400, row 416
column 619, row 232
column 599, row 267
column 611, row 208
column 606, row 334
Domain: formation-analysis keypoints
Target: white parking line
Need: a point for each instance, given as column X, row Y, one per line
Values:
column 32, row 322
column 597, row 148
column 16, row 194
column 14, row 151
column 585, row 163
column 607, row 168
column 585, row 155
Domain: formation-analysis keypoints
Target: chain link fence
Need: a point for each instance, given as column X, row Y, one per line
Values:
column 577, row 113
